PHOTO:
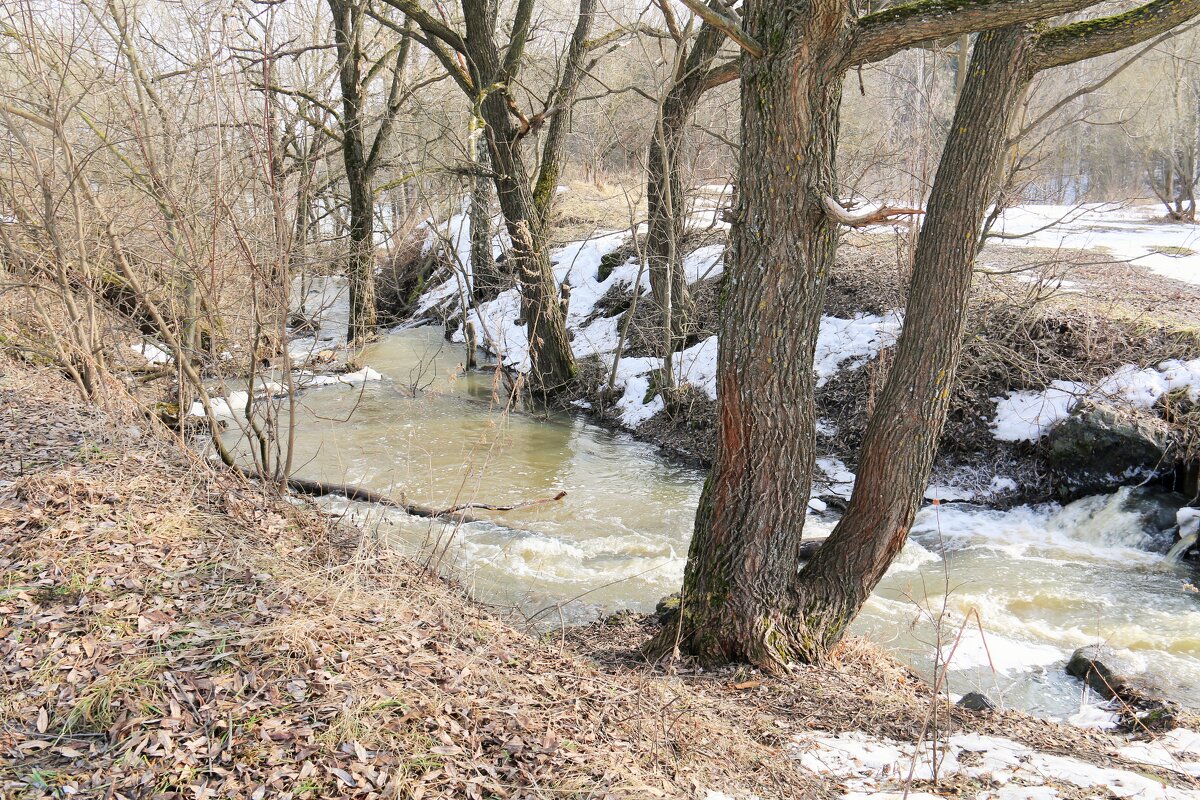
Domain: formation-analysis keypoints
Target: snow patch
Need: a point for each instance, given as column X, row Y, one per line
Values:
column 877, row 767
column 152, row 352
column 851, row 343
column 1028, row 416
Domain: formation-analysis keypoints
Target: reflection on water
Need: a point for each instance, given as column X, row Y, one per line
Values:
column 1043, row 581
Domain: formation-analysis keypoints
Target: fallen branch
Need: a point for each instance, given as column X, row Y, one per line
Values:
column 843, row 216
column 514, row 507
column 359, row 494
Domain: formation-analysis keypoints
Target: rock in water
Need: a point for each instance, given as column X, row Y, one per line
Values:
column 1099, row 447
column 974, row 701
column 1108, row 672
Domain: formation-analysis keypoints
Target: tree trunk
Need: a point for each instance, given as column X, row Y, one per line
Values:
column 360, row 262
column 745, row 552
column 562, row 100
column 360, row 265
column 552, row 365
column 487, row 282
column 902, row 435
column 665, row 197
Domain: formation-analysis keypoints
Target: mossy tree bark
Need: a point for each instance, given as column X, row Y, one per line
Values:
column 744, row 596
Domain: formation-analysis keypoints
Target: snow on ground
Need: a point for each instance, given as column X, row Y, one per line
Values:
column 838, row 475
column 1029, row 415
column 1130, row 234
column 325, row 301
column 842, row 343
column 1178, row 750
column 851, row 343
column 153, row 352
column 877, row 767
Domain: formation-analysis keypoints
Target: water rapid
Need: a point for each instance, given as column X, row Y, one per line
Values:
column 1018, row 590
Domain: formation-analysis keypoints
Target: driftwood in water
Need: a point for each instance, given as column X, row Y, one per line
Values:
column 359, row 494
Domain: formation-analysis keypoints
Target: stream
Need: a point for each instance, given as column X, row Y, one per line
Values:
column 1043, row 580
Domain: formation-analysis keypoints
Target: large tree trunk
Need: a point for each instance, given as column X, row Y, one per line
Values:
column 743, row 596
column 902, row 435
column 745, row 552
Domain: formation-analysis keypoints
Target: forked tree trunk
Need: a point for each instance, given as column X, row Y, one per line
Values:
column 744, row 597
column 902, row 435
column 745, row 552
column 552, row 363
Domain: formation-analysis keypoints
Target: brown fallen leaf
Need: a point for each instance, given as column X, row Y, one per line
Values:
column 344, row 777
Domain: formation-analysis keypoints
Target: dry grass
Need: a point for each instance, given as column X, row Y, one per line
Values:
column 170, row 632
column 588, row 207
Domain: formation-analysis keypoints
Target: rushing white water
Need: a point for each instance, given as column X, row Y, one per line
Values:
column 1025, row 587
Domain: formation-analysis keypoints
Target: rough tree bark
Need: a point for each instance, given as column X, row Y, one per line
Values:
column 486, row 278
column 745, row 550
column 744, row 597
column 902, row 435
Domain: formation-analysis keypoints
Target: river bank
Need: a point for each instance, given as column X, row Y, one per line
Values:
column 172, row 631
column 1091, row 322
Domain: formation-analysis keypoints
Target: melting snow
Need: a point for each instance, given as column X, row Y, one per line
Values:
column 152, row 352
column 1169, row 249
column 873, row 767
column 1028, row 416
column 851, row 343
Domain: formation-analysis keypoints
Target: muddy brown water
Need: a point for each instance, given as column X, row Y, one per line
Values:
column 1024, row 587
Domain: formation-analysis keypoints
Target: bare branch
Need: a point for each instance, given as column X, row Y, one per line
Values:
column 883, row 33
column 843, row 216
column 727, row 25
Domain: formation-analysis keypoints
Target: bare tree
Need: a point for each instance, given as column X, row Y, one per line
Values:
column 744, row 596
column 489, row 78
column 360, row 157
column 694, row 73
